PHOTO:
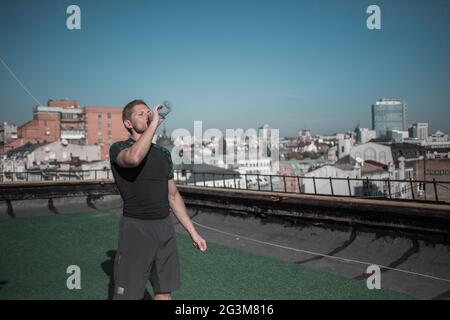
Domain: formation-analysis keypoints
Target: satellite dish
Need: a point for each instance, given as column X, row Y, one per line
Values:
column 64, row 142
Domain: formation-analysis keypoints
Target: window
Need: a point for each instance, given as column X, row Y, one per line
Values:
column 382, row 157
column 370, row 154
column 109, row 115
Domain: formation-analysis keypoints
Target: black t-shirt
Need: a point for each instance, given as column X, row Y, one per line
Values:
column 143, row 188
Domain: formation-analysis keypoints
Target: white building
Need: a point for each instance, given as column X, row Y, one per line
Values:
column 419, row 130
column 39, row 156
column 8, row 132
column 438, row 139
column 372, row 151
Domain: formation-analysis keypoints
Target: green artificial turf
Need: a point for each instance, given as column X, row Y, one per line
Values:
column 35, row 254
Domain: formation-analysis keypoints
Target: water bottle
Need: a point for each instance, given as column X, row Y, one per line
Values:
column 164, row 108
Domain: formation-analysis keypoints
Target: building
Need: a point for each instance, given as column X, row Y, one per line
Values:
column 372, row 151
column 419, row 130
column 344, row 147
column 104, row 126
column 364, row 135
column 32, row 161
column 208, row 176
column 66, row 120
column 429, row 170
column 45, row 125
column 397, row 135
column 437, row 140
column 407, row 150
column 8, row 132
column 67, row 117
column 389, row 114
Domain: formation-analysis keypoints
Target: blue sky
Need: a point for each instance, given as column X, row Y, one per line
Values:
column 231, row 64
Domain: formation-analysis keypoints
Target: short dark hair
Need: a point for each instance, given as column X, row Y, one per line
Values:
column 128, row 110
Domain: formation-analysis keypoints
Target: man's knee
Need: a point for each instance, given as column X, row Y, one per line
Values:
column 162, row 296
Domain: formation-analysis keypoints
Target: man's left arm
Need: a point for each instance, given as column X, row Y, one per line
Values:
column 179, row 209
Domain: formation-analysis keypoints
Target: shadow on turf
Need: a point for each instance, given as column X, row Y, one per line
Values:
column 108, row 268
column 2, row 283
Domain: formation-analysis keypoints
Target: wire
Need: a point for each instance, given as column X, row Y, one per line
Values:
column 321, row 254
column 20, row 82
column 24, row 88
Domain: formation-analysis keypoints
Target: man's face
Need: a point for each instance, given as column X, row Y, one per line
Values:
column 139, row 118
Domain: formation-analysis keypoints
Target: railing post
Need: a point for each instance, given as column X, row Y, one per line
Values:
column 389, row 187
column 284, row 182
column 195, row 181
column 367, row 186
column 435, row 189
column 204, row 180
column 95, row 174
column 234, row 178
column 412, row 188
column 298, row 184
column 223, row 178
column 349, row 188
column 271, row 185
column 257, row 179
column 314, row 182
column 331, row 186
column 246, row 183
column 214, row 179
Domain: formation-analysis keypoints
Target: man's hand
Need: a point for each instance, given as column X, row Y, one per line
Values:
column 154, row 117
column 199, row 243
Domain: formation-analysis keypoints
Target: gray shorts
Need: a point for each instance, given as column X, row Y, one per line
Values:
column 147, row 251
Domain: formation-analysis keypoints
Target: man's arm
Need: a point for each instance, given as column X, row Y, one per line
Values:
column 132, row 156
column 179, row 209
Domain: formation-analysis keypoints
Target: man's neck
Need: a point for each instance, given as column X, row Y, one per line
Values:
column 136, row 136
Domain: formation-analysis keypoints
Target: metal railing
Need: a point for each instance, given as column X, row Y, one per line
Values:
column 55, row 175
column 409, row 189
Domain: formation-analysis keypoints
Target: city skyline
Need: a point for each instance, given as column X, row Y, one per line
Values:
column 288, row 64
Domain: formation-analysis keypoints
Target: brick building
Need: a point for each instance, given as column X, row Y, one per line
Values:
column 67, row 120
column 104, row 126
column 429, row 169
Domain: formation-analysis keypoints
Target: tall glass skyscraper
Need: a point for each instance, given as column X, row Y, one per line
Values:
column 389, row 114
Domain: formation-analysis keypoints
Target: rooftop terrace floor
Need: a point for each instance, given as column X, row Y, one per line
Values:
column 36, row 251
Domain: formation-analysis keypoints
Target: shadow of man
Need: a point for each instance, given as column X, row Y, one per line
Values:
column 108, row 269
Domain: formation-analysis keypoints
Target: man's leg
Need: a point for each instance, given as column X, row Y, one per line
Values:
column 133, row 261
column 162, row 296
column 165, row 271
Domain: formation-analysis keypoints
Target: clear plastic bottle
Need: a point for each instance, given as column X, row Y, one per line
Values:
column 164, row 108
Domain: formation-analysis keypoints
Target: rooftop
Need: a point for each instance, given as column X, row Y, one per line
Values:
column 248, row 257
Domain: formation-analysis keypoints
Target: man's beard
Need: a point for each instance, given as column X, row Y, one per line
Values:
column 141, row 130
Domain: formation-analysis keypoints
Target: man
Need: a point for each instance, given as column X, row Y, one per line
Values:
column 143, row 173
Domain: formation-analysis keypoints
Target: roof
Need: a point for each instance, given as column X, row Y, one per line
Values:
column 26, row 148
column 202, row 168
